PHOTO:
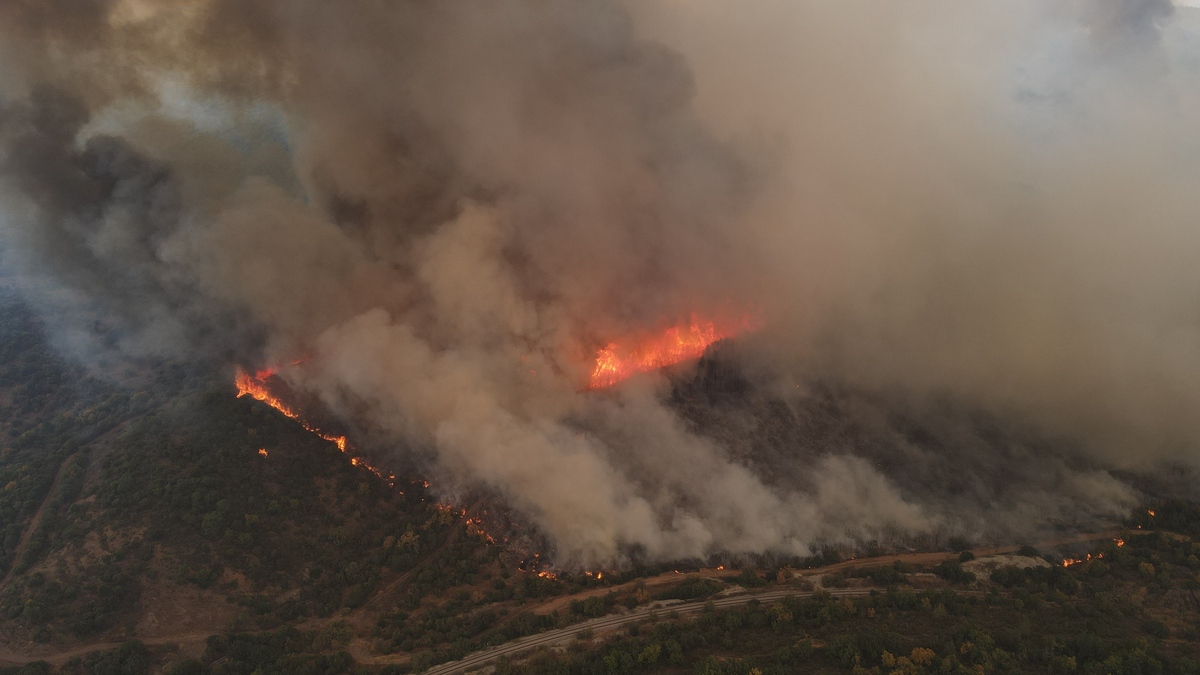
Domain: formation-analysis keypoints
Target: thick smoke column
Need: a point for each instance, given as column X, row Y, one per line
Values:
column 996, row 201
column 445, row 209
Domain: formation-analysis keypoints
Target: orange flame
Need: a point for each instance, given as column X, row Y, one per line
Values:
column 475, row 525
column 255, row 386
column 616, row 362
column 262, row 451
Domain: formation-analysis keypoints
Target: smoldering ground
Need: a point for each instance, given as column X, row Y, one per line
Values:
column 441, row 210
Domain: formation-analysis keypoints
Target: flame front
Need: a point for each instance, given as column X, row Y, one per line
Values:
column 255, row 386
column 677, row 344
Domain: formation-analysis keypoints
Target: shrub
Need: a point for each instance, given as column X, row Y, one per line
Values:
column 952, row 571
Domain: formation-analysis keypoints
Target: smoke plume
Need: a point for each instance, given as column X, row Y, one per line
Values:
column 967, row 232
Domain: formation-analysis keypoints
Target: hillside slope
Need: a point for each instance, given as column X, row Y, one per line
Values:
column 169, row 526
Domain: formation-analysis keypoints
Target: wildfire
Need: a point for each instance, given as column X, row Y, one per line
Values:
column 255, row 386
column 476, row 525
column 1120, row 542
column 262, row 451
column 617, row 362
column 1075, row 561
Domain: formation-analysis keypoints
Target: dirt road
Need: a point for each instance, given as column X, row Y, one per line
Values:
column 563, row 602
column 36, row 521
column 483, row 657
column 604, row 624
column 8, row 658
column 937, row 557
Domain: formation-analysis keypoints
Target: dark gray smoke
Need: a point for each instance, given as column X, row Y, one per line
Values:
column 446, row 208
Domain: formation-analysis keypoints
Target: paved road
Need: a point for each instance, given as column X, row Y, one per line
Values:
column 483, row 657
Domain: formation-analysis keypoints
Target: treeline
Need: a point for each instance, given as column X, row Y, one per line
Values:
column 897, row 632
column 284, row 652
column 1131, row 609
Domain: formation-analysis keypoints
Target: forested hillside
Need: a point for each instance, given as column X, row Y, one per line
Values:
column 164, row 525
column 121, row 502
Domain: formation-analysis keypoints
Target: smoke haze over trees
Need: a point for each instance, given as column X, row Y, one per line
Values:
column 437, row 212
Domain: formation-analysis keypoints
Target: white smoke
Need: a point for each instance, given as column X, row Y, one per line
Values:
column 443, row 209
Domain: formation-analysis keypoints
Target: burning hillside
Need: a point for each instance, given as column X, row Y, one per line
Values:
column 258, row 387
column 470, row 216
column 619, row 361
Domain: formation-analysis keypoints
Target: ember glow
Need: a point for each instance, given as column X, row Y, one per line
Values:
column 1069, row 562
column 617, row 362
column 475, row 525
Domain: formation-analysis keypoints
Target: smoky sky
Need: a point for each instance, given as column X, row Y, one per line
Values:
column 441, row 210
